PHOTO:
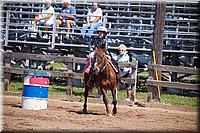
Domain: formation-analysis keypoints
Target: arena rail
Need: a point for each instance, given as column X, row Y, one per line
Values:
column 135, row 17
column 154, row 85
column 69, row 74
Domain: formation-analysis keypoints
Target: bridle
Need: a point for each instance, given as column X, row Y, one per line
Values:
column 100, row 63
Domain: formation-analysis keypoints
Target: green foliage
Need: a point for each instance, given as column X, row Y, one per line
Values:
column 58, row 64
column 16, row 87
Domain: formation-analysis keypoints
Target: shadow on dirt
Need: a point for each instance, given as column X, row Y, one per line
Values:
column 16, row 106
column 139, row 104
column 81, row 112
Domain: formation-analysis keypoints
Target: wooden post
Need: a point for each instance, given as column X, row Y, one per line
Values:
column 134, row 76
column 6, row 84
column 7, row 76
column 150, row 88
column 158, row 40
column 70, row 78
column 158, row 36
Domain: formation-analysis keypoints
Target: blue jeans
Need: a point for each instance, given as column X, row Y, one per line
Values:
column 126, row 75
column 90, row 30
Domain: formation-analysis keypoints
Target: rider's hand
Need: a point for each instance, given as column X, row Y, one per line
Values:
column 88, row 25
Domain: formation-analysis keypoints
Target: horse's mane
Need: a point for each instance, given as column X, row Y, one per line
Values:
column 100, row 53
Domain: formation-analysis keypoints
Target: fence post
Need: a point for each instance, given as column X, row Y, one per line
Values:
column 7, row 76
column 134, row 76
column 70, row 78
column 152, row 91
column 149, row 88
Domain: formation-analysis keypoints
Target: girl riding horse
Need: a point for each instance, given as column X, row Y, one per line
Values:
column 105, row 78
column 99, row 42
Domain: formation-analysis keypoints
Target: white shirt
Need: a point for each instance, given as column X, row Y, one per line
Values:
column 48, row 11
column 93, row 14
column 124, row 58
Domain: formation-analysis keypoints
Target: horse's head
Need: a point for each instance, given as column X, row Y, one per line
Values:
column 100, row 60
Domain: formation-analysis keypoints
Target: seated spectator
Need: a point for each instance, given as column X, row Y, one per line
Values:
column 93, row 21
column 68, row 16
column 45, row 17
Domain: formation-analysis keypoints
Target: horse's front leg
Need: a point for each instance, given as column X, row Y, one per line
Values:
column 114, row 95
column 85, row 97
column 105, row 100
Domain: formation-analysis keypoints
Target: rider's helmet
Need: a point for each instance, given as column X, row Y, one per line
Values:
column 102, row 29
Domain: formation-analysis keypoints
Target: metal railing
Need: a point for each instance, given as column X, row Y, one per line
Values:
column 131, row 23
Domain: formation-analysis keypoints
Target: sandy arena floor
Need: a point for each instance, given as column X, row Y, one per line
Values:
column 66, row 115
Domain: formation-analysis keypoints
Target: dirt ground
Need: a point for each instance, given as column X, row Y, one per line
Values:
column 63, row 114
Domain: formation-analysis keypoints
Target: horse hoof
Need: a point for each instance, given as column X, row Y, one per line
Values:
column 85, row 110
column 114, row 112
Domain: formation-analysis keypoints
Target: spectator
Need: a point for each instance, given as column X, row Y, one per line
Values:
column 68, row 16
column 46, row 17
column 93, row 21
column 125, row 72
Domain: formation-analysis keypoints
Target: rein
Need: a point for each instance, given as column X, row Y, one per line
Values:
column 104, row 67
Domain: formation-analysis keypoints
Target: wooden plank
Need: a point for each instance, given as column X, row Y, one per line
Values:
column 128, row 64
column 13, row 70
column 79, row 75
column 45, row 57
column 128, row 80
column 21, row 71
column 80, row 60
column 38, row 57
column 178, row 69
column 173, row 84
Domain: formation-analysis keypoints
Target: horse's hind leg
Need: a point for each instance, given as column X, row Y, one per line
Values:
column 105, row 100
column 85, row 96
column 114, row 95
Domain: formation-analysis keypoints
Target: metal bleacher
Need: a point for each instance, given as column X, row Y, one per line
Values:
column 128, row 22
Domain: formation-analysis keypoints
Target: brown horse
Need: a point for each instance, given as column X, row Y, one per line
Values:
column 106, row 78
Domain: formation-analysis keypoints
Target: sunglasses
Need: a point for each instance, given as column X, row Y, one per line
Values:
column 121, row 50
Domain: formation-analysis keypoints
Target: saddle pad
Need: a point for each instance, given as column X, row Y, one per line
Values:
column 88, row 67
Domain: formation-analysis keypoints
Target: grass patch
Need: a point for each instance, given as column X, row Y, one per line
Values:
column 165, row 98
column 180, row 100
